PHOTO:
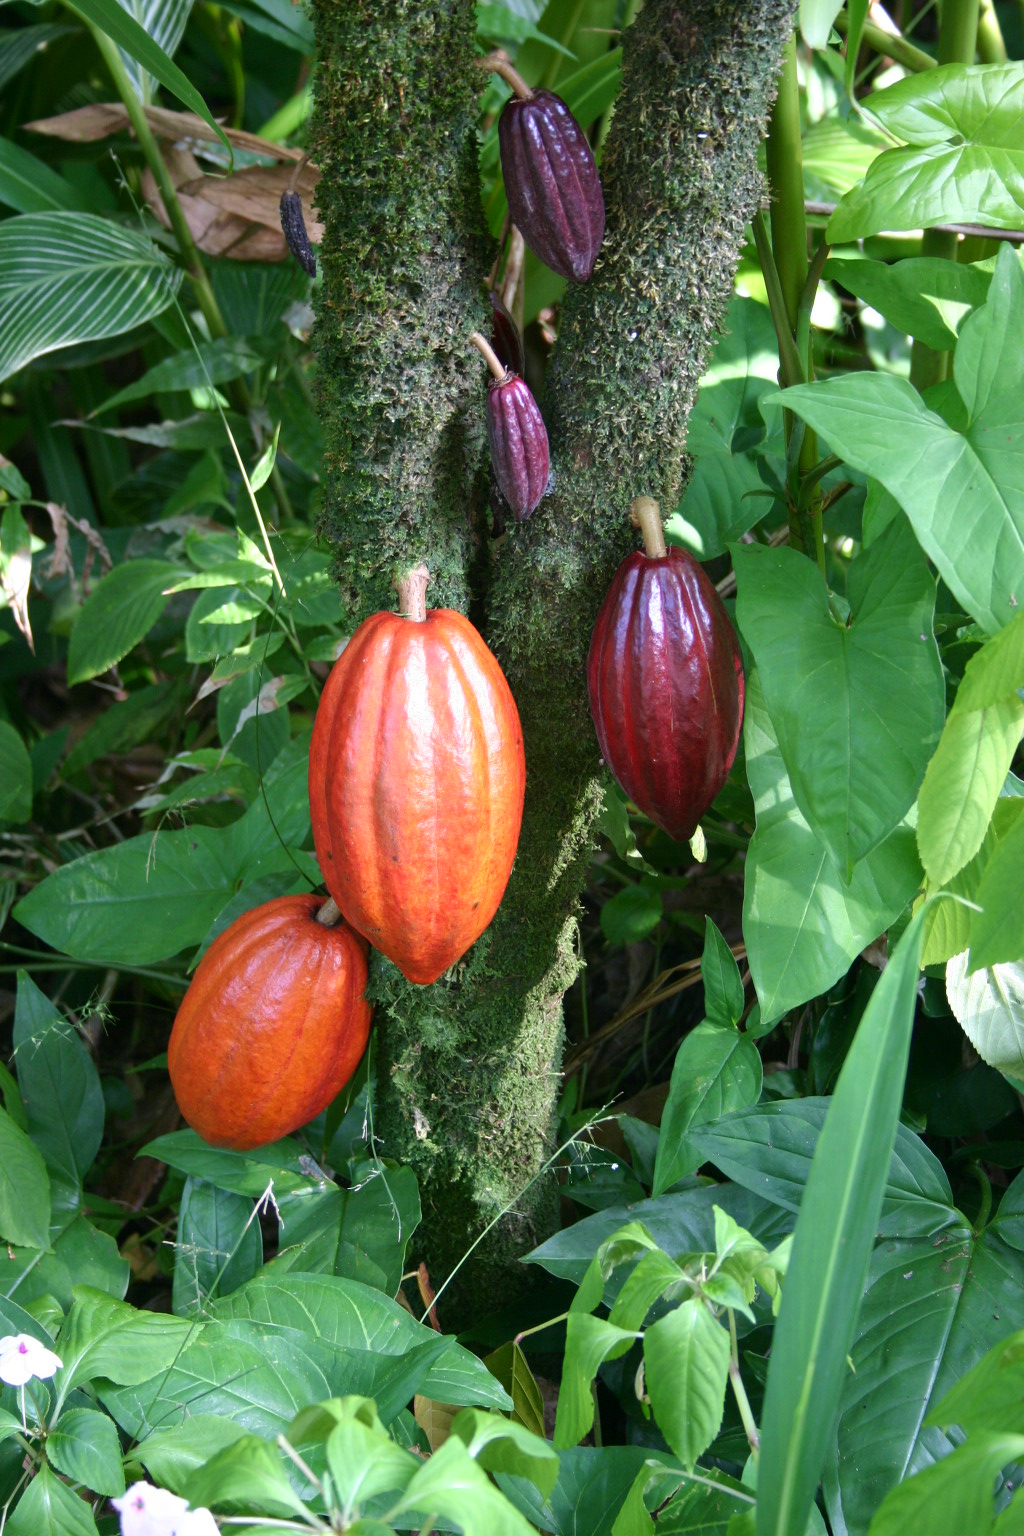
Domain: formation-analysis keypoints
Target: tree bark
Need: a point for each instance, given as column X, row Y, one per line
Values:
column 468, row 1069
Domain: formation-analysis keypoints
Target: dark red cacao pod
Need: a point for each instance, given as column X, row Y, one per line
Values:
column 551, row 182
column 666, row 688
column 272, row 1026
column 519, row 444
column 416, row 782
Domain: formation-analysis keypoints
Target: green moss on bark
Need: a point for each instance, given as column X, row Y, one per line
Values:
column 468, row 1068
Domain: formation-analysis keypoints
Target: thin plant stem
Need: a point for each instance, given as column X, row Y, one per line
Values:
column 991, row 46
column 890, row 45
column 740, row 1392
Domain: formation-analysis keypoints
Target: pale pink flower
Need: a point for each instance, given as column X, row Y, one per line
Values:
column 23, row 1359
column 148, row 1511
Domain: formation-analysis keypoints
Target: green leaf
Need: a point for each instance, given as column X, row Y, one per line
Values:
column 948, row 922
column 72, row 277
column 24, row 1188
column 360, row 1233
column 686, row 1360
column 962, row 491
column 991, row 1396
column 996, row 671
column 134, row 40
column 924, row 296
column 589, row 1342
column 655, row 1276
column 246, row 1173
column 265, row 465
column 171, row 1455
column 365, row 1462
column 85, row 1447
column 593, row 1485
column 857, row 708
column 49, row 1508
column 119, row 613
column 962, row 784
column 963, row 127
column 15, row 776
column 832, row 1246
column 164, row 21
column 102, row 1336
column 723, row 989
column 247, row 1474
column 816, row 18
column 696, row 1504
column 59, row 1085
column 997, row 931
column 209, row 362
column 716, row 1070
column 29, row 185
column 953, row 1495
column 989, row 1006
column 631, row 914
column 501, row 1445
column 803, row 925
column 219, row 1245
column 451, row 1487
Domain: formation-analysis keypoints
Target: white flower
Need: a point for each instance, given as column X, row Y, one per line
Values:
column 23, row 1358
column 149, row 1511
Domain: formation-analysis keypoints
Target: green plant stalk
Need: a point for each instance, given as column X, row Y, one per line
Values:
column 958, row 40
column 740, row 1392
column 469, row 1068
column 789, row 255
column 289, row 118
column 991, row 46
column 888, row 45
column 190, row 258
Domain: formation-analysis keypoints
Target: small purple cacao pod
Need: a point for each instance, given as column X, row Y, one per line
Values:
column 519, row 444
column 551, row 182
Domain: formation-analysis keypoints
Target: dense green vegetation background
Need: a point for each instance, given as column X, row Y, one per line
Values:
column 767, row 1182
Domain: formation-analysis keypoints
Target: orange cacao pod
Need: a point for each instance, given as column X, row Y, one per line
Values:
column 272, row 1026
column 416, row 780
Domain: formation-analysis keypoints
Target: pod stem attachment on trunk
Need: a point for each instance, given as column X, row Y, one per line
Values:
column 645, row 514
column 493, row 361
column 502, row 65
column 329, row 915
column 412, row 594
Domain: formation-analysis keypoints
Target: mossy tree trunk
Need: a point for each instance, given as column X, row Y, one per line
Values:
column 468, row 1069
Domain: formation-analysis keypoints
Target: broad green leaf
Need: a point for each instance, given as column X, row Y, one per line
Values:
column 509, row 1365
column 723, row 988
column 170, row 1455
column 29, row 185
column 991, row 1395
column 49, row 1508
column 997, row 931
column 932, row 1308
column 117, row 614
column 816, row 18
column 924, row 296
column 769, row 1148
column 589, row 1342
column 996, row 671
column 143, row 716
column 656, row 1275
column 837, row 151
column 716, row 1070
column 989, row 1006
column 592, row 1487
column 451, row 1487
column 247, row 1474
column 19, row 46
column 219, row 1245
column 704, row 1503
column 24, row 1188
column 360, row 1233
column 953, row 1495
column 631, row 914
column 962, row 784
column 686, row 1359
column 83, row 1444
column 245, row 1173
column 209, row 362
column 59, row 1084
column 131, row 38
column 72, row 277
column 857, row 708
column 963, row 161
column 164, row 22
column 501, row 1445
column 102, row 1336
column 15, row 776
column 363, row 1462
column 947, row 921
column 803, row 925
column 832, row 1247
column 962, row 491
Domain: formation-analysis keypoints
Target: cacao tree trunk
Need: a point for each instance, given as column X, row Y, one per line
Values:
column 467, row 1070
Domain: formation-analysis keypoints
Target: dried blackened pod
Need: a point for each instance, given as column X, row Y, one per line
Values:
column 517, row 436
column 294, row 226
column 551, row 182
column 505, row 337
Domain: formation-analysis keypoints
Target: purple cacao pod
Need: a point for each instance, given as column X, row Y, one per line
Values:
column 551, row 182
column 666, row 688
column 519, row 444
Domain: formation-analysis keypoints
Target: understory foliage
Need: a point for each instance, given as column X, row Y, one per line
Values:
column 692, row 1198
